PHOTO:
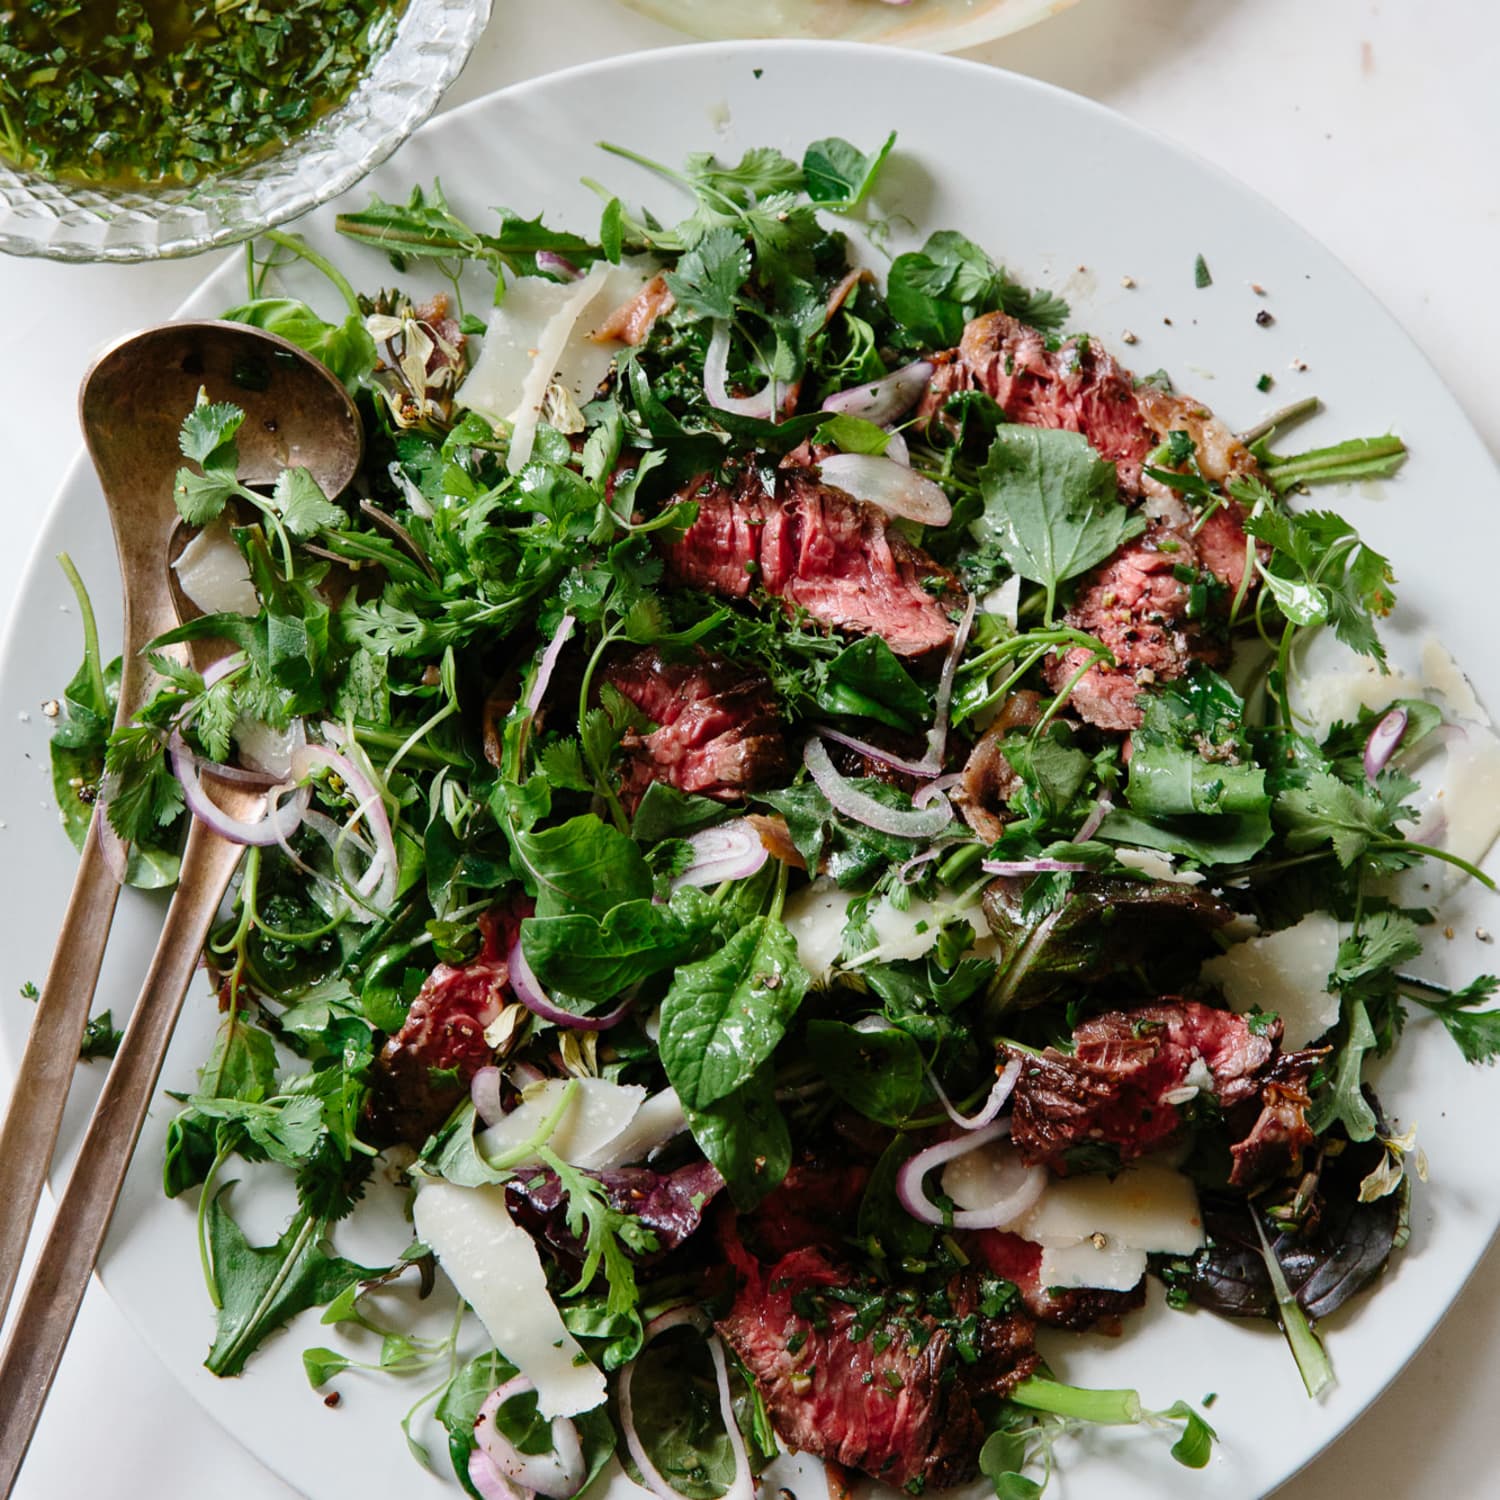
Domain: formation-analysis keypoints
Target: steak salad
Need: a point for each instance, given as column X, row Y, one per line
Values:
column 792, row 836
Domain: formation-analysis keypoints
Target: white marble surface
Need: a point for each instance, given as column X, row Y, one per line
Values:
column 1375, row 125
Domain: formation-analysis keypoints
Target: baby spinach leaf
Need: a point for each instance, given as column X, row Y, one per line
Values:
column 346, row 348
column 868, row 679
column 582, row 865
column 664, row 812
column 838, row 175
column 596, row 959
column 745, row 1136
column 1051, row 506
column 879, row 1073
column 724, row 1015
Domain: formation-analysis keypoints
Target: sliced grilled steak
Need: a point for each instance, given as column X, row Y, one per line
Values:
column 819, row 550
column 719, row 729
column 1137, row 604
column 847, row 1382
column 426, row 1068
column 1076, row 1309
column 1078, row 388
column 1130, row 1069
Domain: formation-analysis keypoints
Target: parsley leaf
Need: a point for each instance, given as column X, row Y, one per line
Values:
column 1051, row 506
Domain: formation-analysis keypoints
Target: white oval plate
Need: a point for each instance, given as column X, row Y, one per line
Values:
column 1067, row 195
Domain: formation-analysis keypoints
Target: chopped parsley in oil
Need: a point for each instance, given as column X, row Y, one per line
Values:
column 169, row 90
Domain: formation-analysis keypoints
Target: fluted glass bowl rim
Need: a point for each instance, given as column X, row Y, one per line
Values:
column 73, row 222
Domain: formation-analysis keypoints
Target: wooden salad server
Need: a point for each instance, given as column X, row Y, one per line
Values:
column 131, row 406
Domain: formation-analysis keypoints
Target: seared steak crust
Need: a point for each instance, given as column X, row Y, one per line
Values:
column 1130, row 1069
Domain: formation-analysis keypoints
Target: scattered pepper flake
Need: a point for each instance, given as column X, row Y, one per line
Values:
column 1264, row 318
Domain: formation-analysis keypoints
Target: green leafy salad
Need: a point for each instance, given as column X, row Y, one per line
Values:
column 794, row 834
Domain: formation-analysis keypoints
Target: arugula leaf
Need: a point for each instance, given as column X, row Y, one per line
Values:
column 708, row 278
column 1051, row 506
column 1344, row 1101
column 838, row 175
column 724, row 1015
column 262, row 1287
column 1188, row 756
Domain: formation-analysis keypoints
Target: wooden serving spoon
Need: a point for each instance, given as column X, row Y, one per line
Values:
column 131, row 406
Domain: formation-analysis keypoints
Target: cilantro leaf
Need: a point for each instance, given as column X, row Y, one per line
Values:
column 839, row 175
column 207, row 435
column 1324, row 810
column 1321, row 572
column 1477, row 1032
column 708, row 278
column 201, row 497
column 1051, row 506
column 302, row 505
column 144, row 796
column 760, row 171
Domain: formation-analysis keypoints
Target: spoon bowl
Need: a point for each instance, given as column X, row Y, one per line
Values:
column 131, row 405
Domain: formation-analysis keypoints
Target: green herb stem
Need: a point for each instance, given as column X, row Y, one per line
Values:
column 90, row 628
column 540, row 1136
column 1120, row 1408
column 299, row 246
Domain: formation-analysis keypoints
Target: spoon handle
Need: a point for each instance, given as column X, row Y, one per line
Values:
column 46, row 1314
column 34, row 1116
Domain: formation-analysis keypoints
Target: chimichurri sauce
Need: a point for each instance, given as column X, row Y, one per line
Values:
column 171, row 90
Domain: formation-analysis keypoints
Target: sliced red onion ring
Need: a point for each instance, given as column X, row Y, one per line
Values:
column 529, row 992
column 896, row 490
column 1005, row 1210
column 888, row 398
column 897, row 451
column 1384, row 738
column 875, row 752
column 924, row 794
column 716, row 372
column 237, row 775
column 276, row 825
column 553, row 264
column 1090, row 825
column 728, row 851
column 484, row 1090
column 489, row 1481
column 924, row 823
column 557, row 1474
column 378, row 884
column 992, row 1106
column 223, row 667
column 1032, row 866
column 937, row 736
column 559, row 639
column 742, row 1486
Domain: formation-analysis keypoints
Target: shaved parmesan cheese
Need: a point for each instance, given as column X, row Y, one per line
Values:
column 1442, row 675
column 494, row 1264
column 1144, row 1207
column 1004, row 601
column 654, row 1124
column 1330, row 684
column 213, row 574
column 815, row 917
column 1458, row 809
column 1156, row 866
column 1286, row 972
column 540, row 338
column 1104, row 1265
column 599, row 1111
column 905, row 934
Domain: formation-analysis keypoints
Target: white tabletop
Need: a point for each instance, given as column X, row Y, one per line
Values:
column 1373, row 123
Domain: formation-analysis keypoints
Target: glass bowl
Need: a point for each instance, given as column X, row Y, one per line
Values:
column 71, row 221
column 933, row 25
